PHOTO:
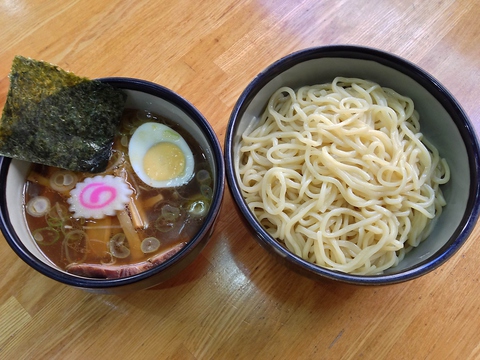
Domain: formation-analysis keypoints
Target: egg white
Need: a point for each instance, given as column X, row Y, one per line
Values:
column 148, row 135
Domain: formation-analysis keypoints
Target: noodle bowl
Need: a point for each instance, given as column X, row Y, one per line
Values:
column 342, row 175
column 145, row 96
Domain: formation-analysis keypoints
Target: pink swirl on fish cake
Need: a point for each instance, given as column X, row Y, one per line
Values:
column 99, row 196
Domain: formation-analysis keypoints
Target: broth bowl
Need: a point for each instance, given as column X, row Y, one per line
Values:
column 442, row 120
column 142, row 95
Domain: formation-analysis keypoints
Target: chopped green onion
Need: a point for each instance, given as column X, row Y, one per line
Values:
column 75, row 246
column 206, row 191
column 203, row 177
column 46, row 236
column 198, row 208
column 63, row 180
column 150, row 244
column 57, row 215
column 170, row 213
column 118, row 246
column 38, row 206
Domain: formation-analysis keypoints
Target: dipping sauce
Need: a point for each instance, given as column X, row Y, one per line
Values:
column 118, row 223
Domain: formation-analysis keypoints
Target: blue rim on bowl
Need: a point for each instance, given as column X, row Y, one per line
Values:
column 282, row 69
column 169, row 267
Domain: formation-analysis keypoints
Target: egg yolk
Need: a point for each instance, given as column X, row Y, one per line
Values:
column 164, row 161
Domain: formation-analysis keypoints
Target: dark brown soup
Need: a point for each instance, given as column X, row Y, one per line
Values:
column 138, row 233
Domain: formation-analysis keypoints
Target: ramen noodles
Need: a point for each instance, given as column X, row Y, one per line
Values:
column 341, row 174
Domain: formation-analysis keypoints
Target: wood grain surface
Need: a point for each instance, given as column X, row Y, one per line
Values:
column 235, row 301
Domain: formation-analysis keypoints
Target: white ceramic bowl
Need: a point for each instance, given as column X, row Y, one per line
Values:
column 141, row 95
column 443, row 122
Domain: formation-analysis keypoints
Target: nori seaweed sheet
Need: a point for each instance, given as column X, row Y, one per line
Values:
column 56, row 118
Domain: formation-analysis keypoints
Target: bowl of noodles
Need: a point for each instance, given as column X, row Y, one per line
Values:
column 352, row 164
column 136, row 224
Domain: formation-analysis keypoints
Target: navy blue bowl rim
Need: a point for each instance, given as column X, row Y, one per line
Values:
column 92, row 283
column 423, row 78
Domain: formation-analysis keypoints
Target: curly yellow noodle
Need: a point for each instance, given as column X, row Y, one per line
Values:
column 342, row 176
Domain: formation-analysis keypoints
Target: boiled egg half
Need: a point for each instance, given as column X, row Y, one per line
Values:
column 160, row 156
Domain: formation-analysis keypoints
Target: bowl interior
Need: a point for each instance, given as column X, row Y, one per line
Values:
column 432, row 102
column 137, row 99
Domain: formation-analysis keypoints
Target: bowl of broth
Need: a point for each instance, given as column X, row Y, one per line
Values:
column 352, row 164
column 70, row 227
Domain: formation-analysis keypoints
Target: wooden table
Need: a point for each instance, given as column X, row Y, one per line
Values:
column 235, row 300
